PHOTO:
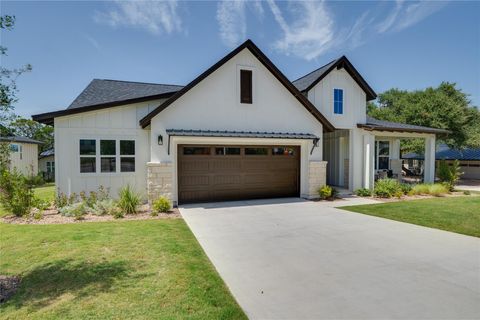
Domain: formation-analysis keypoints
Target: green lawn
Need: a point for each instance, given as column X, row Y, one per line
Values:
column 112, row 270
column 45, row 192
column 459, row 214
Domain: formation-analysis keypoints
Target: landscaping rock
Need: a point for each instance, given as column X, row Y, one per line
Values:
column 8, row 287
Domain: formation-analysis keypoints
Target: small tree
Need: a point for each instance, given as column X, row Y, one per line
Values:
column 449, row 175
column 16, row 194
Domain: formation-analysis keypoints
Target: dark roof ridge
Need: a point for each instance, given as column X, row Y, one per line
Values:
column 140, row 82
column 326, row 64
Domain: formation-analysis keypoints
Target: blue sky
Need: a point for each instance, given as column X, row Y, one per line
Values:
column 407, row 45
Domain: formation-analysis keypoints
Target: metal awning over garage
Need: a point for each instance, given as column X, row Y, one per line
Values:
column 239, row 134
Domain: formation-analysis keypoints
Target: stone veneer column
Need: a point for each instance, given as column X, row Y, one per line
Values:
column 317, row 177
column 159, row 180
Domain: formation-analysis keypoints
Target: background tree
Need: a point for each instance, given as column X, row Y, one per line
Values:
column 8, row 91
column 33, row 130
column 8, row 77
column 445, row 107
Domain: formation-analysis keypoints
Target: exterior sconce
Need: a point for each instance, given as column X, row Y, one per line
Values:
column 160, row 140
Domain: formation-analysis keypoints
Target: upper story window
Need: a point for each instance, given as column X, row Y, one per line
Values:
column 246, row 86
column 338, row 101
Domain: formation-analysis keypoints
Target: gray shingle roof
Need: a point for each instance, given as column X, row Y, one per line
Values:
column 47, row 153
column 375, row 124
column 100, row 91
column 449, row 154
column 304, row 82
column 240, row 134
column 20, row 139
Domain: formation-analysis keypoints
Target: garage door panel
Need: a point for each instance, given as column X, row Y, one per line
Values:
column 220, row 177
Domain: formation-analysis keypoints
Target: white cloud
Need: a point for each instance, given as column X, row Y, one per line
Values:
column 231, row 17
column 156, row 17
column 310, row 34
column 407, row 14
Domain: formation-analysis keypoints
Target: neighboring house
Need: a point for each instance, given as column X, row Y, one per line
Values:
column 469, row 160
column 46, row 164
column 23, row 154
column 239, row 130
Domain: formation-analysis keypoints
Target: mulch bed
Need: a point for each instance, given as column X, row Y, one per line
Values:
column 8, row 287
column 51, row 216
column 417, row 197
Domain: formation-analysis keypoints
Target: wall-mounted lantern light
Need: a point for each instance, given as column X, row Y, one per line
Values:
column 160, row 140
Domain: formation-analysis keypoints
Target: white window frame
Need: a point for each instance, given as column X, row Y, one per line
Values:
column 377, row 154
column 343, row 102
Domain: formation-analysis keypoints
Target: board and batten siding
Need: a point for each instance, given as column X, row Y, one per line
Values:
column 27, row 163
column 354, row 99
column 118, row 123
column 214, row 104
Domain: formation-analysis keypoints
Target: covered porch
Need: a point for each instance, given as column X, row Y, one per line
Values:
column 382, row 152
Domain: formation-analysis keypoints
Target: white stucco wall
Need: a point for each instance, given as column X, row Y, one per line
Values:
column 214, row 104
column 25, row 161
column 354, row 99
column 117, row 123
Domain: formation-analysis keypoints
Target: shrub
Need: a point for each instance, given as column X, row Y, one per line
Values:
column 103, row 193
column 61, row 200
column 449, row 175
column 420, row 189
column 16, row 194
column 467, row 192
column 129, row 200
column 38, row 215
column 41, row 204
column 327, row 193
column 363, row 192
column 162, row 204
column 105, row 207
column 437, row 189
column 36, row 180
column 406, row 188
column 387, row 188
column 77, row 210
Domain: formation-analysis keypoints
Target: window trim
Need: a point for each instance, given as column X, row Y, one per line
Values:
column 98, row 156
column 342, row 101
column 378, row 156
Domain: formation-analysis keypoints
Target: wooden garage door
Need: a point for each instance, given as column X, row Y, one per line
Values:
column 220, row 173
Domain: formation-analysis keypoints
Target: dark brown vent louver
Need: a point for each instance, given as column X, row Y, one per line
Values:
column 246, row 86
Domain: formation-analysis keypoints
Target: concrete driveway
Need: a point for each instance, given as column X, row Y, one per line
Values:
column 295, row 259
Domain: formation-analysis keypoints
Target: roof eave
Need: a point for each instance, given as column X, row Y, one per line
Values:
column 47, row 118
column 369, row 127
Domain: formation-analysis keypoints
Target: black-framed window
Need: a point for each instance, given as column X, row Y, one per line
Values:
column 196, row 151
column 246, row 94
column 127, row 156
column 108, row 152
column 283, row 151
column 88, row 153
column 227, row 151
column 256, row 151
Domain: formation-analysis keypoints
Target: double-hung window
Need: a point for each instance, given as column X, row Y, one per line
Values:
column 338, row 101
column 127, row 156
column 382, row 151
column 88, row 155
column 108, row 159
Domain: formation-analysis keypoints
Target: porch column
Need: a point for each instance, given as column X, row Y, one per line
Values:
column 368, row 160
column 429, row 164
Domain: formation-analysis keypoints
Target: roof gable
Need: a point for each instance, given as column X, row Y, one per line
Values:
column 308, row 81
column 265, row 62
